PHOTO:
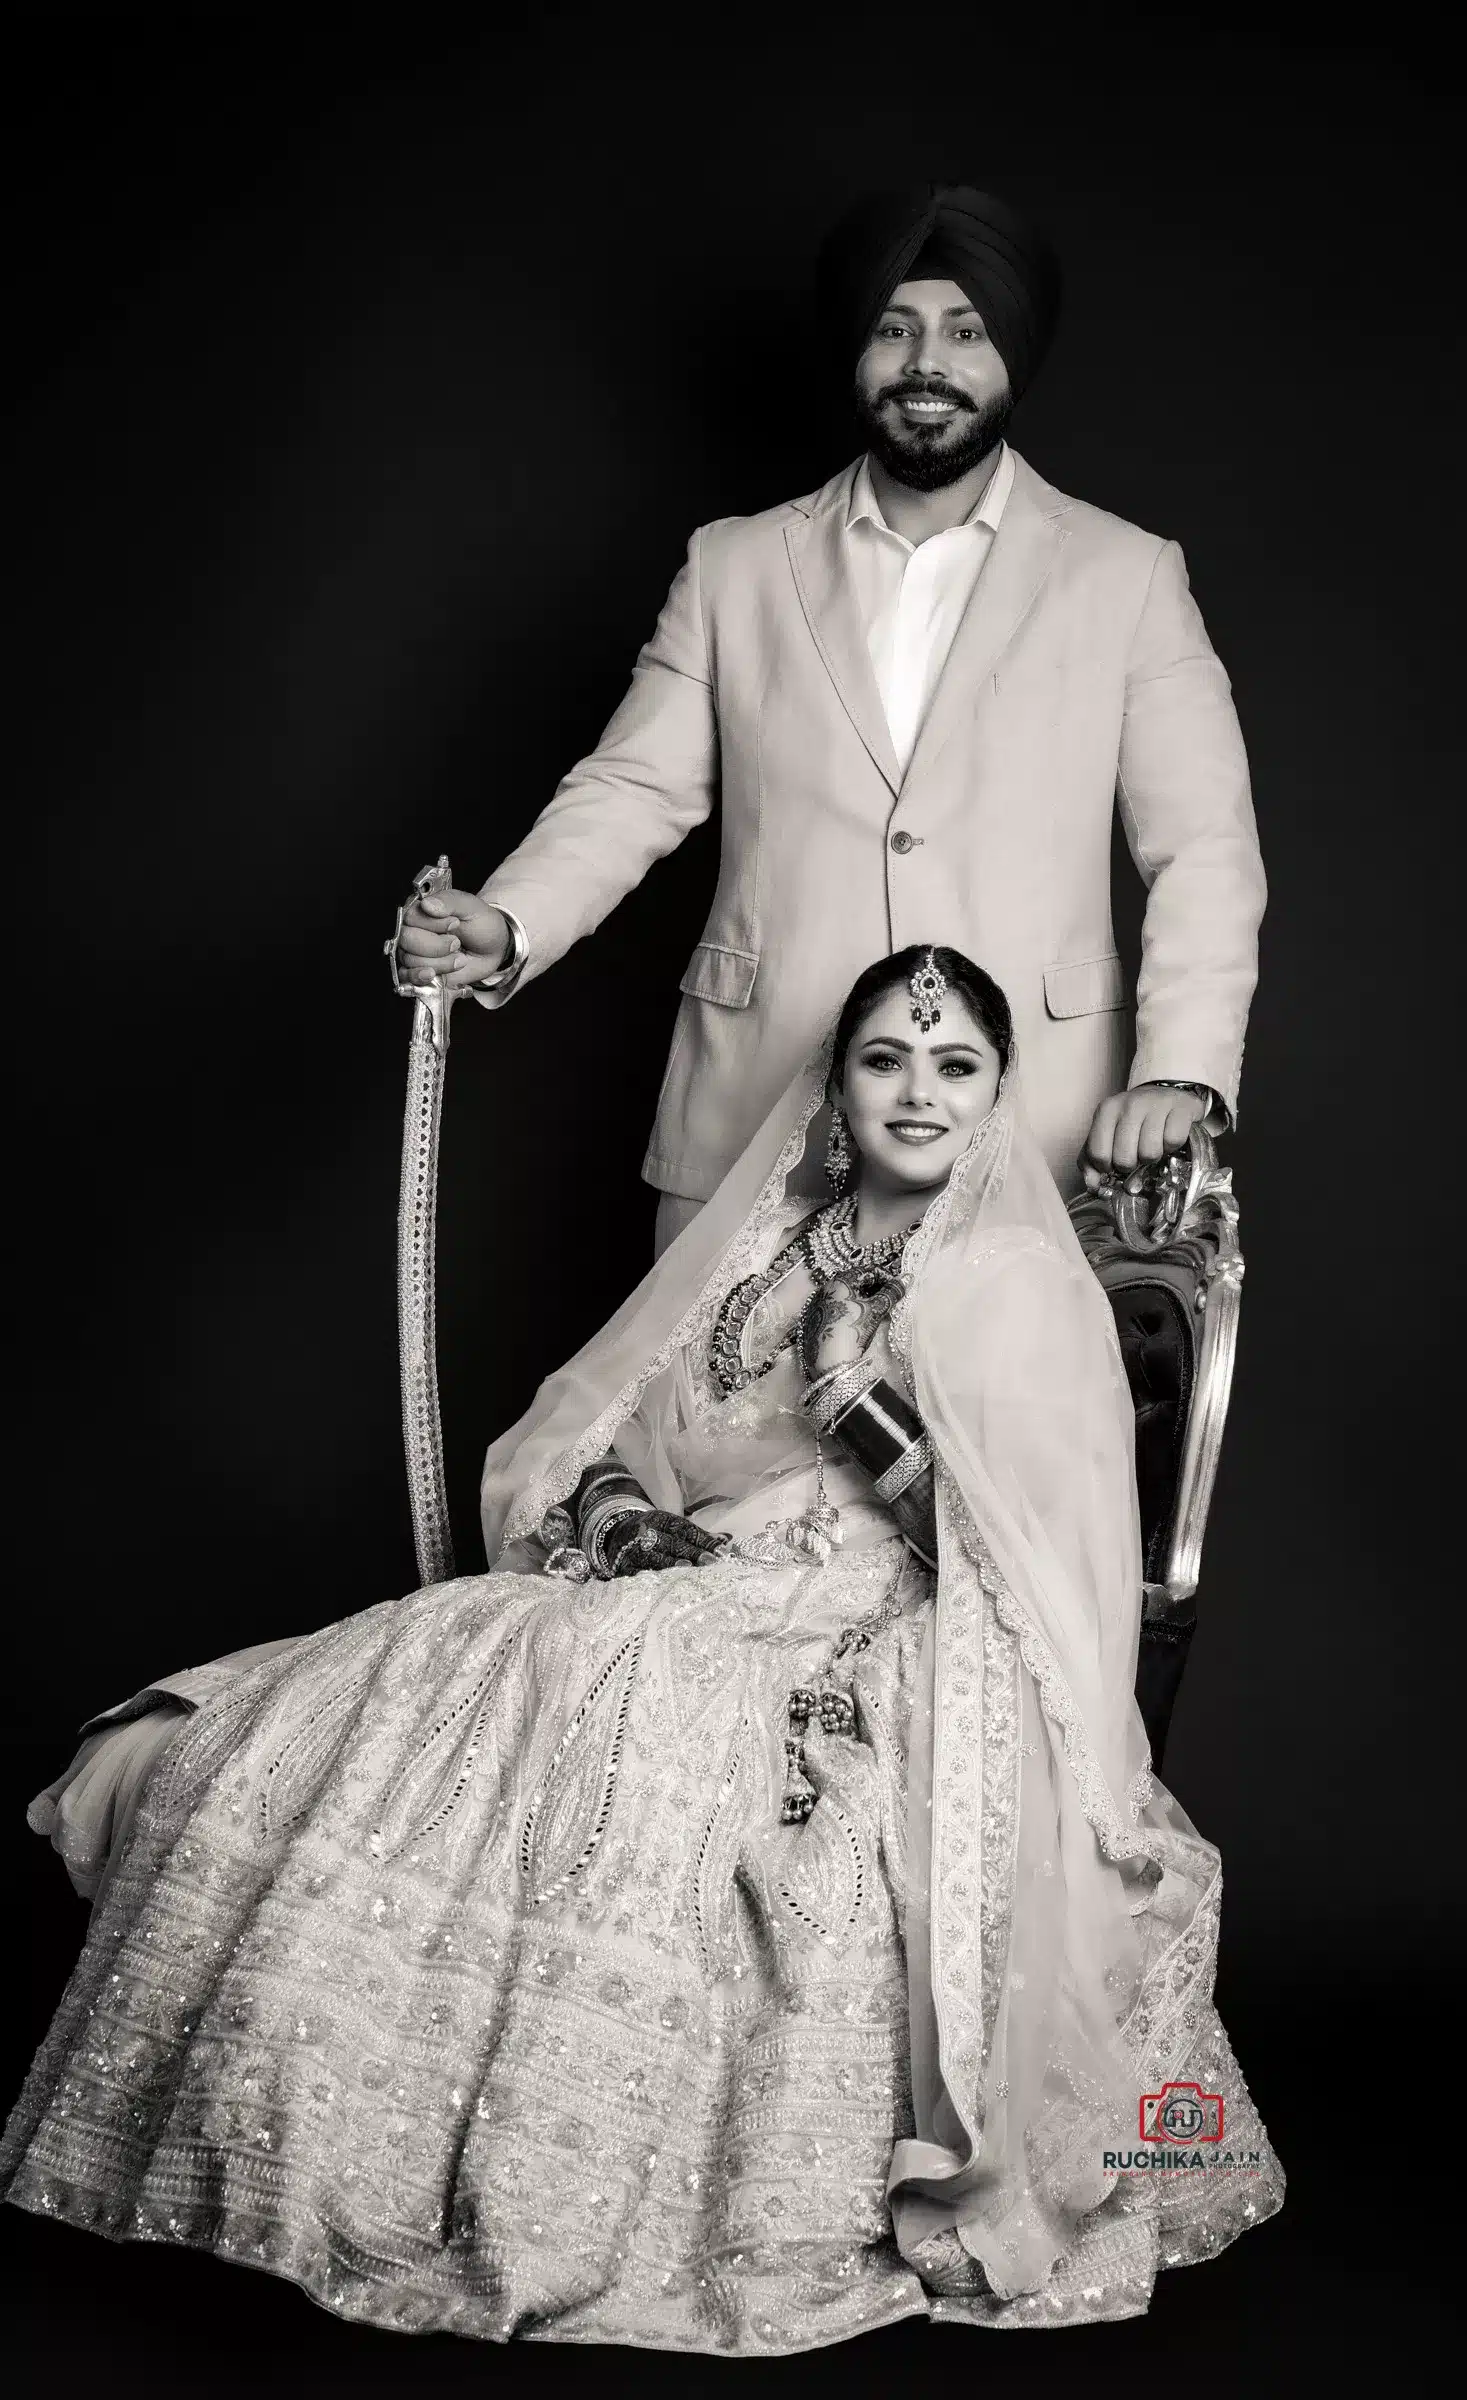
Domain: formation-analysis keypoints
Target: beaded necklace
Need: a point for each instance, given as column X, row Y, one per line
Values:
column 829, row 1249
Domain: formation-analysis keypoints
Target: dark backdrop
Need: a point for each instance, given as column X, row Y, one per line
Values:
column 374, row 381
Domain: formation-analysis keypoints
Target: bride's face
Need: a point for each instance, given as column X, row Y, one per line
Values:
column 913, row 1100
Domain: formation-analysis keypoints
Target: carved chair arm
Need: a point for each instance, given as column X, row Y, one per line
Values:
column 1178, row 1221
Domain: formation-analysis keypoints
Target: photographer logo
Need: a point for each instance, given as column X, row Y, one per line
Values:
column 1181, row 2112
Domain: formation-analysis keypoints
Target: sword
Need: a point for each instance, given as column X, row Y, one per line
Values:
column 417, row 1218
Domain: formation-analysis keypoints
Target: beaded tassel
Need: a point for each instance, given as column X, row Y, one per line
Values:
column 836, row 1711
column 799, row 1793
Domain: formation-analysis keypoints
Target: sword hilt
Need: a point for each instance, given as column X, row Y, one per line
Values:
column 431, row 1000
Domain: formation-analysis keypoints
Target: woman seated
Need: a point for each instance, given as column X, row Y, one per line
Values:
column 744, row 1916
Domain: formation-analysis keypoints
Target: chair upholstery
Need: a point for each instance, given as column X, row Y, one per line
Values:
column 1164, row 1243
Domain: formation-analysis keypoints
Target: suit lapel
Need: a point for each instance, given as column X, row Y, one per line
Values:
column 816, row 542
column 1025, row 547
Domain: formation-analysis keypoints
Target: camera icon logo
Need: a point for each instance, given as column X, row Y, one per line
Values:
column 1181, row 2112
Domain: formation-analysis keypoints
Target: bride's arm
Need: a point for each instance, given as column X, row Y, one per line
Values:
column 875, row 1424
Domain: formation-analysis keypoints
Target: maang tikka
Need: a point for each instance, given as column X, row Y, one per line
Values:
column 839, row 1156
column 928, row 988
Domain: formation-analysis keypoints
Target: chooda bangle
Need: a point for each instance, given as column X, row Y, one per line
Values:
column 904, row 1471
column 598, row 1522
column 836, row 1389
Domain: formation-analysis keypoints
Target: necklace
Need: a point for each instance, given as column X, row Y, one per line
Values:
column 828, row 1248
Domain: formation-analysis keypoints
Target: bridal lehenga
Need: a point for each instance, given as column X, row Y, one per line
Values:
column 459, row 1962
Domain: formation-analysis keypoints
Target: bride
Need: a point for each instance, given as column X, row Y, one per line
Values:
column 744, row 1916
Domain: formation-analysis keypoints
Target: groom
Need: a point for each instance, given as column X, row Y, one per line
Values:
column 917, row 696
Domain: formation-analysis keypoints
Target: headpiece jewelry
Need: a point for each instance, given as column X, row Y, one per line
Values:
column 928, row 988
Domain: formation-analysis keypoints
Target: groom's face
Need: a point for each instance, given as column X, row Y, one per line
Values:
column 932, row 393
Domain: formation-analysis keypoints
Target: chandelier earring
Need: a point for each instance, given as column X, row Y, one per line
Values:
column 840, row 1158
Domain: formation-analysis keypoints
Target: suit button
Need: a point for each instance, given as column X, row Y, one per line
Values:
column 901, row 843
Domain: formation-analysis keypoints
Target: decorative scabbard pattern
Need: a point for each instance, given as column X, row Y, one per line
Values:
column 422, row 1430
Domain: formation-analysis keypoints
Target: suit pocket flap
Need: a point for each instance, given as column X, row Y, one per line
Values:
column 1084, row 985
column 724, row 976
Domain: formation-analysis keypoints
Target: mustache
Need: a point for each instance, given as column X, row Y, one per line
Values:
column 911, row 389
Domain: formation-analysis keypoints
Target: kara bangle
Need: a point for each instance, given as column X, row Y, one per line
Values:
column 836, row 1390
column 904, row 1471
column 519, row 951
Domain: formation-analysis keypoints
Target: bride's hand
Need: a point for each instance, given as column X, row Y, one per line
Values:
column 654, row 1539
column 842, row 1320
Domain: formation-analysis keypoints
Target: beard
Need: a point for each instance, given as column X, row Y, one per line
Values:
column 928, row 458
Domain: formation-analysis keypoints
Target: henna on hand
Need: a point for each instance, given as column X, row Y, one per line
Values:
column 842, row 1319
column 652, row 1539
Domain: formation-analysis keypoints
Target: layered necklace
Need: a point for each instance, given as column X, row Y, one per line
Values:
column 828, row 1248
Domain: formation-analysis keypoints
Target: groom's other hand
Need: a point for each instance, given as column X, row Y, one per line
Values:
column 455, row 936
column 1136, row 1128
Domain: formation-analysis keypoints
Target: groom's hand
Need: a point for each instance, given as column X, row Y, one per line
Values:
column 1136, row 1128
column 455, row 936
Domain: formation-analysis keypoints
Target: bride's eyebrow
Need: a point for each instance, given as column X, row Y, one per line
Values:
column 893, row 1041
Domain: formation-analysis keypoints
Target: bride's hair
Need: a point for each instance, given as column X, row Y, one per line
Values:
column 984, row 999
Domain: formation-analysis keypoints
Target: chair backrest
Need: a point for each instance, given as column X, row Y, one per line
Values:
column 1164, row 1244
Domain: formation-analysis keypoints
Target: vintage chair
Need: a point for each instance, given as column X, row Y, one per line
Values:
column 1164, row 1243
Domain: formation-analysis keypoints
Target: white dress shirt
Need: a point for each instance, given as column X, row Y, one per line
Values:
column 913, row 595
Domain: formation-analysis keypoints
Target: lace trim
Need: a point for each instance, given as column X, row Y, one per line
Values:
column 1001, row 1770
column 956, row 1884
column 1163, row 2025
column 1118, row 1839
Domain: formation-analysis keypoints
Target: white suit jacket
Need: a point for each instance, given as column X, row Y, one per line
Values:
column 1080, row 678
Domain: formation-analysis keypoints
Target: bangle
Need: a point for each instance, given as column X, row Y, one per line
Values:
column 519, row 951
column 598, row 1522
column 836, row 1389
column 606, row 1472
column 904, row 1471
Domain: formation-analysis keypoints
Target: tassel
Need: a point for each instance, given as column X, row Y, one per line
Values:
column 799, row 1793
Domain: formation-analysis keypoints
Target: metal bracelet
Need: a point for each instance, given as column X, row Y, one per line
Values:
column 834, row 1391
column 570, row 1563
column 519, row 951
column 904, row 1470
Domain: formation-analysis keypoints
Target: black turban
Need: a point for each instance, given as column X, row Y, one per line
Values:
column 1004, row 266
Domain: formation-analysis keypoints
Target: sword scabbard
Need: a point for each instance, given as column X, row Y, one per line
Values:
column 417, row 1229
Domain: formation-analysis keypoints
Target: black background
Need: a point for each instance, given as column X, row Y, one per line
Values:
column 372, row 378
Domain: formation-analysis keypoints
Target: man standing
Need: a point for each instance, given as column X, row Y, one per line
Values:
column 917, row 695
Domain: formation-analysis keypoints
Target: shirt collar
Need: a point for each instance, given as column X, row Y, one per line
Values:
column 864, row 504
